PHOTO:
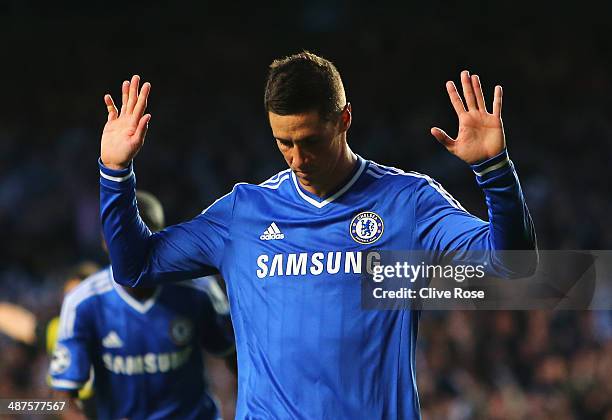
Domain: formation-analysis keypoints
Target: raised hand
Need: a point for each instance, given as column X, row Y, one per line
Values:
column 481, row 134
column 125, row 131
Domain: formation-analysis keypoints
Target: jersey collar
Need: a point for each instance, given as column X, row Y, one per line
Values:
column 320, row 203
column 140, row 306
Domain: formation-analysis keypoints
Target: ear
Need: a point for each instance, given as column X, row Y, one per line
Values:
column 346, row 116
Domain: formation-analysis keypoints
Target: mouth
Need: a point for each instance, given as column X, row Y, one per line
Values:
column 303, row 174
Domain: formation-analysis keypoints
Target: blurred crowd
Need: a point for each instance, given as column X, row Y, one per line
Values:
column 209, row 131
column 515, row 365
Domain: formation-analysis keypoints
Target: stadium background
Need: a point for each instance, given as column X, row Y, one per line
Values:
column 207, row 64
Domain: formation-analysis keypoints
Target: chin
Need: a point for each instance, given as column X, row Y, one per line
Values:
column 305, row 180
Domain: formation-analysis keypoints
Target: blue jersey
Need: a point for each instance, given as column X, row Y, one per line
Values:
column 146, row 355
column 306, row 349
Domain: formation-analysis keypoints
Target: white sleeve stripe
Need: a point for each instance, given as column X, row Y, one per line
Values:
column 374, row 174
column 274, row 179
column 116, row 178
column 498, row 165
column 68, row 315
column 451, row 200
column 65, row 383
column 276, row 184
column 94, row 285
column 222, row 197
column 446, row 194
column 376, row 168
column 384, row 170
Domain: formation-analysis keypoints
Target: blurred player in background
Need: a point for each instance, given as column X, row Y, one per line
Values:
column 144, row 344
column 291, row 248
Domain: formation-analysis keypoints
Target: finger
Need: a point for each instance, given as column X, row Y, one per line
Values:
column 478, row 93
column 110, row 106
column 133, row 94
column 143, row 126
column 443, row 138
column 141, row 105
column 455, row 98
column 497, row 101
column 468, row 92
column 125, row 89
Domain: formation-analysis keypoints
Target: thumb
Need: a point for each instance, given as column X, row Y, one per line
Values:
column 442, row 137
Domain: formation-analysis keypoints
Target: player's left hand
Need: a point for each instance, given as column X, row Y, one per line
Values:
column 481, row 134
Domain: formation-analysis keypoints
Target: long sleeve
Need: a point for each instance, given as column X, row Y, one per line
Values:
column 71, row 361
column 139, row 257
column 444, row 227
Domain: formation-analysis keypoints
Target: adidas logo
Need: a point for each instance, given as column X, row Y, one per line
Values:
column 112, row 341
column 273, row 232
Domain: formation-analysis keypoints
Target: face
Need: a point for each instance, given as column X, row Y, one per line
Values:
column 310, row 145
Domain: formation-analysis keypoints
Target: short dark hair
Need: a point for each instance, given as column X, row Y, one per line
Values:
column 304, row 82
column 151, row 210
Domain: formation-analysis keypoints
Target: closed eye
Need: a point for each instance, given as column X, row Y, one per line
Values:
column 312, row 140
column 285, row 143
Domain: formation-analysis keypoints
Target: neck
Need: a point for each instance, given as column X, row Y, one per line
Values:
column 338, row 174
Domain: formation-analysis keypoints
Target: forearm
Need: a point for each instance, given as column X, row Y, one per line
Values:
column 510, row 224
column 185, row 251
column 125, row 233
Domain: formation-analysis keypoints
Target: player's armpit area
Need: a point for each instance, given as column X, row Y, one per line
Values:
column 179, row 252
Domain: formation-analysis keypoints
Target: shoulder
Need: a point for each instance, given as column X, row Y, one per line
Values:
column 80, row 298
column 395, row 176
column 274, row 184
column 243, row 189
column 275, row 181
column 420, row 186
column 94, row 285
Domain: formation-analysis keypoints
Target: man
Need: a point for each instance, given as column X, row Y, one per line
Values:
column 290, row 248
column 143, row 343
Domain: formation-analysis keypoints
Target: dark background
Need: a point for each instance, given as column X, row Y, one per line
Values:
column 207, row 63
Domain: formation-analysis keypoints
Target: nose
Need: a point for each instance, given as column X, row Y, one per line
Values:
column 299, row 160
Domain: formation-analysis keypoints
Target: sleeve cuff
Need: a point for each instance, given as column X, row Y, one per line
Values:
column 495, row 171
column 492, row 164
column 65, row 384
column 114, row 175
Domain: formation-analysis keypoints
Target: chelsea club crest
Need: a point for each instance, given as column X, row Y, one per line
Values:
column 367, row 227
column 181, row 331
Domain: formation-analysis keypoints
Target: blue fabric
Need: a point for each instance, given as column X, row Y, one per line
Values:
column 306, row 349
column 146, row 356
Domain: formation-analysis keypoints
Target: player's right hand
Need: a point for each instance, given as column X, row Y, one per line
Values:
column 125, row 131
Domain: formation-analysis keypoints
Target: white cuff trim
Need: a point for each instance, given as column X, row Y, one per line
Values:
column 66, row 384
column 498, row 165
column 116, row 178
